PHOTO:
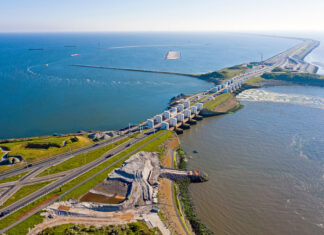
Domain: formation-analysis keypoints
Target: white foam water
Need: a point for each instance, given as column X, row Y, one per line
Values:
column 260, row 95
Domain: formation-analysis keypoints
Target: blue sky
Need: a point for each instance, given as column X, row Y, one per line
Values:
column 160, row 15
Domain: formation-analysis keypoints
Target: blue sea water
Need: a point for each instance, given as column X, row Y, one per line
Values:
column 317, row 56
column 41, row 93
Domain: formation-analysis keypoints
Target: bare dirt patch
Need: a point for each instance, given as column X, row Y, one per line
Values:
column 167, row 209
column 93, row 197
column 64, row 208
column 110, row 192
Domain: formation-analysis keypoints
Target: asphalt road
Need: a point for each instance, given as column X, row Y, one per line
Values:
column 31, row 197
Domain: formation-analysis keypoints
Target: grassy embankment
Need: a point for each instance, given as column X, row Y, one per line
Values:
column 223, row 74
column 37, row 149
column 254, row 80
column 279, row 74
column 112, row 163
column 129, row 229
column 24, row 191
column 14, row 178
column 182, row 187
column 212, row 104
column 83, row 158
column 297, row 78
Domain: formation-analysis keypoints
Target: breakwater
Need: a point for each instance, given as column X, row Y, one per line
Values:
column 132, row 70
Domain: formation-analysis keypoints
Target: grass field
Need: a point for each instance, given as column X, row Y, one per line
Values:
column 22, row 228
column 32, row 155
column 24, row 191
column 84, row 158
column 212, row 104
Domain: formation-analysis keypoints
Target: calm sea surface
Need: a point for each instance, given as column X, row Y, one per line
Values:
column 36, row 99
column 265, row 164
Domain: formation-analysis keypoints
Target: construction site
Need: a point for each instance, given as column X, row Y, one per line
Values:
column 129, row 193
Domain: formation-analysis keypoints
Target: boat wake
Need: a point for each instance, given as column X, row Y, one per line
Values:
column 29, row 70
column 259, row 95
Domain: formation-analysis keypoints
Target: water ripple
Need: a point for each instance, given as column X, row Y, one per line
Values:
column 259, row 95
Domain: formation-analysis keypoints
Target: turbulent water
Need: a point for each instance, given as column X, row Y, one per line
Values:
column 265, row 164
column 41, row 93
column 258, row 95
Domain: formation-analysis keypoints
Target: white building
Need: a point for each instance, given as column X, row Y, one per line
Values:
column 193, row 109
column 173, row 122
column 166, row 115
column 186, row 104
column 180, row 107
column 200, row 106
column 180, row 117
column 150, row 123
column 165, row 126
column 187, row 113
column 158, row 118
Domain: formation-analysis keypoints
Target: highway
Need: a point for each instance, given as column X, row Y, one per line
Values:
column 73, row 174
column 59, row 158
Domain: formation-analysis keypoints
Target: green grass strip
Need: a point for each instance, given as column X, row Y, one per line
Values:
column 83, row 158
column 212, row 104
column 36, row 219
column 14, row 178
column 24, row 191
column 254, row 80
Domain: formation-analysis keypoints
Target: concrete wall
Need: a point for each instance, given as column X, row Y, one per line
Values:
column 186, row 104
column 180, row 107
column 158, row 118
column 194, row 109
column 180, row 117
column 166, row 114
column 200, row 106
column 150, row 123
column 173, row 122
column 187, row 113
